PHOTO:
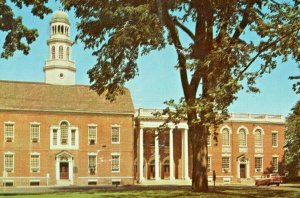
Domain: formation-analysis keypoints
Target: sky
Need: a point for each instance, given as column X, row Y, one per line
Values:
column 158, row 80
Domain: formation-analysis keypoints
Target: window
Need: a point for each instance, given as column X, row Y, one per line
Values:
column 53, row 52
column 209, row 140
column 34, row 162
column 275, row 139
column 64, row 133
column 258, row 138
column 115, row 134
column 61, row 52
column 9, row 129
column 55, row 137
column 92, row 133
column 225, row 137
column 258, row 164
column 115, row 163
column 225, row 164
column 9, row 162
column 275, row 164
column 64, row 136
column 242, row 138
column 92, row 164
column 208, row 163
column 68, row 53
column 35, row 132
column 73, row 137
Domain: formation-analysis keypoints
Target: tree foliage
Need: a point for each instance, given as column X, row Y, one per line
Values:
column 18, row 36
column 230, row 42
column 292, row 147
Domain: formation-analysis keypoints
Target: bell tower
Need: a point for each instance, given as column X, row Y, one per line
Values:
column 59, row 69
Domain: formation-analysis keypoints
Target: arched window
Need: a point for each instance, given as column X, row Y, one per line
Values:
column 225, row 137
column 242, row 137
column 258, row 138
column 64, row 133
column 167, row 166
column 68, row 53
column 61, row 51
column 53, row 52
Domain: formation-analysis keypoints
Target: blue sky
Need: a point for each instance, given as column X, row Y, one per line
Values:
column 158, row 80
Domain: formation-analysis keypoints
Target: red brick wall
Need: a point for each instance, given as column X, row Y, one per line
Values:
column 22, row 146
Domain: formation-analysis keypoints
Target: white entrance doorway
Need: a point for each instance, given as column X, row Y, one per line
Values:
column 64, row 168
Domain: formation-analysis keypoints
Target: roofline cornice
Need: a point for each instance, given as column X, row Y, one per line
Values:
column 70, row 111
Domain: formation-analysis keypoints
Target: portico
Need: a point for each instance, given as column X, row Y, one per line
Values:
column 161, row 155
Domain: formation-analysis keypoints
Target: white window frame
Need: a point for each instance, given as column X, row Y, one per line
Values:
column 13, row 162
column 39, row 131
column 95, row 155
column 96, row 135
column 111, row 133
column 119, row 163
column 229, row 135
column 209, row 160
column 246, row 136
column 262, row 137
column 209, row 140
column 229, row 163
column 39, row 163
column 277, row 165
column 262, row 163
column 13, row 132
column 60, row 146
column 275, row 132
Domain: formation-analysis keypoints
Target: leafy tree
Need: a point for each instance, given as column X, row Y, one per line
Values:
column 18, row 36
column 230, row 42
column 292, row 136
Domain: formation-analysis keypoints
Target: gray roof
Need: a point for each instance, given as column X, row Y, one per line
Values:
column 32, row 96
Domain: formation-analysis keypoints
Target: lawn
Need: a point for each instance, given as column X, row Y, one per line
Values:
column 166, row 191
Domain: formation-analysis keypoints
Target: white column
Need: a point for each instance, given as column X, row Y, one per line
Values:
column 185, row 154
column 57, row 171
column 71, row 170
column 141, row 155
column 156, row 155
column 171, row 154
column 248, row 169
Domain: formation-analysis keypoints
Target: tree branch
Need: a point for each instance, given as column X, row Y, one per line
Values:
column 179, row 49
column 184, row 28
column 260, row 52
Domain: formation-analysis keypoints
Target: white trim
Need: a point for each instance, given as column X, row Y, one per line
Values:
column 30, row 135
column 258, row 127
column 4, row 132
column 96, row 161
column 116, row 154
column 246, row 136
column 96, row 135
column 274, row 132
column 122, row 177
column 229, row 135
column 13, row 161
column 116, row 126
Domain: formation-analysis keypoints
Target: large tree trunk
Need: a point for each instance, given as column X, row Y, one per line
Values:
column 198, row 135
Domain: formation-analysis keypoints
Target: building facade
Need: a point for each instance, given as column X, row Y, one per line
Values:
column 59, row 133
column 248, row 145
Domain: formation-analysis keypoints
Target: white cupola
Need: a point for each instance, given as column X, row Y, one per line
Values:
column 59, row 69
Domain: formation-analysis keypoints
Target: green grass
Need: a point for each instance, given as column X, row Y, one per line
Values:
column 166, row 191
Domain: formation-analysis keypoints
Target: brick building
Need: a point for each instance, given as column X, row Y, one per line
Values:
column 60, row 133
column 248, row 145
